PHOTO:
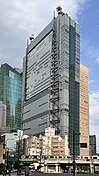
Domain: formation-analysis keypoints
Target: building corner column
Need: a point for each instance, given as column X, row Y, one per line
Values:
column 57, row 167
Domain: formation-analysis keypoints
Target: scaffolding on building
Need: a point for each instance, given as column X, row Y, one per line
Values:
column 54, row 82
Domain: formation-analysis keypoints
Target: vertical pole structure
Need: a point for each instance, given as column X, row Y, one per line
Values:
column 40, row 158
column 26, row 69
column 18, row 153
column 7, row 158
column 74, row 153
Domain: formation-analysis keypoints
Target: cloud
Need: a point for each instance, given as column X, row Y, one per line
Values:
column 90, row 50
column 18, row 19
column 94, row 115
column 97, row 59
column 91, row 82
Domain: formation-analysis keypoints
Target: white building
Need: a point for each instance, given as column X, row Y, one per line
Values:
column 54, row 144
column 49, row 131
column 47, row 145
column 11, row 138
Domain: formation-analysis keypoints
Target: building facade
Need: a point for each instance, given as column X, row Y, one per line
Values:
column 51, row 80
column 2, row 114
column 11, row 95
column 46, row 145
column 10, row 141
column 84, row 111
column 92, row 145
column 1, row 153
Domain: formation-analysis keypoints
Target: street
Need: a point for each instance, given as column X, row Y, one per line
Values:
column 61, row 174
column 52, row 174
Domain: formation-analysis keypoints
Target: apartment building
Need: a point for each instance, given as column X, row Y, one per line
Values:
column 47, row 145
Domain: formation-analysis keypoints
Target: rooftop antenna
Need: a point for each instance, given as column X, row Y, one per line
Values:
column 31, row 38
column 54, row 14
column 59, row 10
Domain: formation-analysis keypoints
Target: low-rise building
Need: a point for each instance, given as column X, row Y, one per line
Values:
column 34, row 145
column 52, row 144
column 10, row 140
column 92, row 145
column 49, row 144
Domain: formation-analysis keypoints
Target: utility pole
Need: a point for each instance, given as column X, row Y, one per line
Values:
column 18, row 154
column 7, row 159
column 19, row 145
column 40, row 157
column 74, row 164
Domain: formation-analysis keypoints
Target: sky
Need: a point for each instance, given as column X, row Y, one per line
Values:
column 19, row 19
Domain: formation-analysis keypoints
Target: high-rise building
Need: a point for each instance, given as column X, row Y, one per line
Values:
column 51, row 80
column 11, row 95
column 92, row 145
column 84, row 111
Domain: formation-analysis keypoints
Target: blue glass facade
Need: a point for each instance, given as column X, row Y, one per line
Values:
column 11, row 94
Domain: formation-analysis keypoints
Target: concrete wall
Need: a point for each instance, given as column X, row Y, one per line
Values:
column 1, row 153
column 2, row 114
column 35, row 116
